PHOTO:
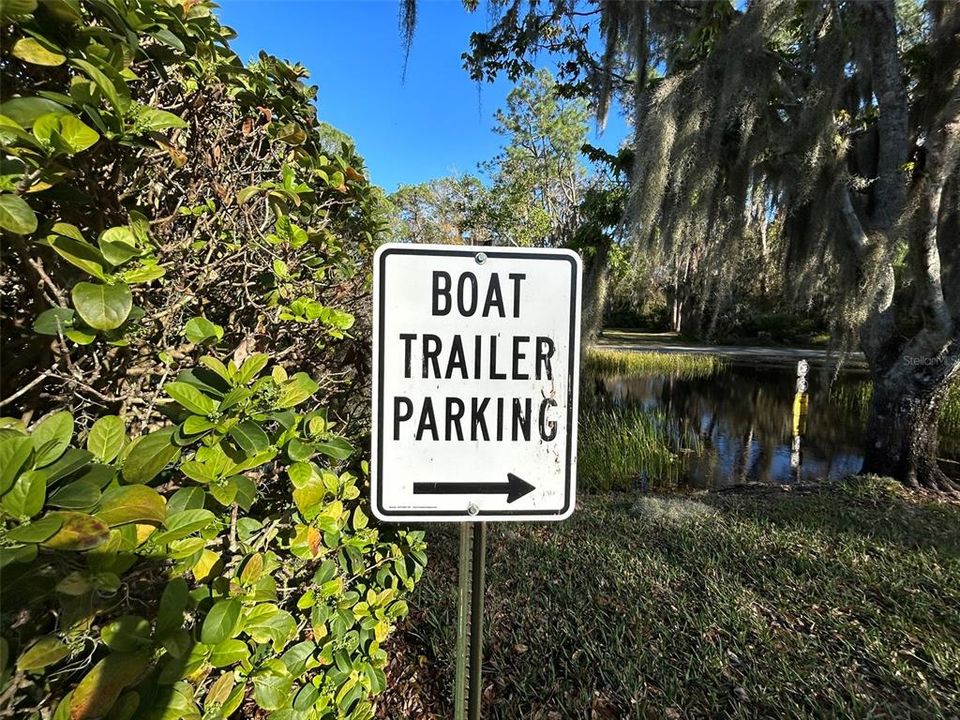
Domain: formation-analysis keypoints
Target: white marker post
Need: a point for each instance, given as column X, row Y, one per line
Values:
column 799, row 414
column 476, row 371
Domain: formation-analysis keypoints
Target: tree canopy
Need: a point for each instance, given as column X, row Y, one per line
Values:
column 839, row 119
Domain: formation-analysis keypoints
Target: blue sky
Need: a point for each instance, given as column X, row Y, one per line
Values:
column 435, row 123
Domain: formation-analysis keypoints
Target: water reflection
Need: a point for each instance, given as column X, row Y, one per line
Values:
column 743, row 421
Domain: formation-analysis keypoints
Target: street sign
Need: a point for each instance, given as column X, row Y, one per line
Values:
column 476, row 364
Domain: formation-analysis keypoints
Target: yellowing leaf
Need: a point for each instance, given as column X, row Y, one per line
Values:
column 31, row 51
column 205, row 566
column 101, row 687
column 132, row 504
column 78, row 532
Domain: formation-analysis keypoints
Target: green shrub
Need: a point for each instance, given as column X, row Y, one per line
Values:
column 183, row 531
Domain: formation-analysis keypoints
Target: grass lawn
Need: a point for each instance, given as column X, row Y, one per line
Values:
column 841, row 603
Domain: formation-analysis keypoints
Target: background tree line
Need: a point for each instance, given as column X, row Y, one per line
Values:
column 817, row 142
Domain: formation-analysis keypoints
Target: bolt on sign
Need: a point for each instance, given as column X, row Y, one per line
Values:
column 476, row 364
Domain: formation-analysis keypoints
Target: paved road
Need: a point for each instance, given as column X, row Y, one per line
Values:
column 668, row 343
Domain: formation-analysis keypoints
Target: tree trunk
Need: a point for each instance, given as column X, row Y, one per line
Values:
column 595, row 285
column 902, row 429
column 677, row 319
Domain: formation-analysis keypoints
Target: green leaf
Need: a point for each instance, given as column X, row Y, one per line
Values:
column 295, row 390
column 67, row 464
column 132, row 504
column 246, row 491
column 99, row 474
column 359, row 519
column 26, row 497
column 196, row 424
column 191, row 398
column 221, row 622
column 188, row 498
column 13, row 9
column 117, row 244
column 79, row 531
column 67, row 11
column 25, row 110
column 199, row 330
column 244, row 194
column 64, row 133
column 271, row 690
column 298, row 450
column 127, row 633
column 107, row 438
column 173, row 604
column 75, row 584
column 200, row 472
column 151, row 119
column 46, row 651
column 102, row 307
column 14, row 452
column 16, row 216
column 54, row 321
column 167, row 37
column 296, row 659
column 229, row 652
column 80, row 337
column 326, row 572
column 250, row 437
column 214, row 365
column 148, row 455
column 251, row 367
column 11, row 134
column 111, row 91
column 142, row 274
column 184, row 523
column 278, row 627
column 31, row 51
column 36, row 532
column 77, row 251
column 336, row 447
column 78, row 495
column 301, row 474
column 51, row 436
column 77, row 135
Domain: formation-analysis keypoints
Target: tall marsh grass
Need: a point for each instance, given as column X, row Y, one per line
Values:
column 627, row 362
column 620, row 449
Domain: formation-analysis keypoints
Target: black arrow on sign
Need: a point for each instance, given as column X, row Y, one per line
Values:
column 514, row 488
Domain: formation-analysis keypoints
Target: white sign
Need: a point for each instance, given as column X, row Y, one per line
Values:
column 476, row 360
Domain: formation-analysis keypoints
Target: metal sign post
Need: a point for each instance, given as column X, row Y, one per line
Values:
column 476, row 370
column 469, row 662
column 463, row 619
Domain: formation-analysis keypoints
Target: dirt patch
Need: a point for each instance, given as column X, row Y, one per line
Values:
column 415, row 690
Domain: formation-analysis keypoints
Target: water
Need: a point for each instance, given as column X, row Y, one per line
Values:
column 741, row 419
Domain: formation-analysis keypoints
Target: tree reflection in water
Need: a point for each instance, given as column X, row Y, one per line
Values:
column 743, row 419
